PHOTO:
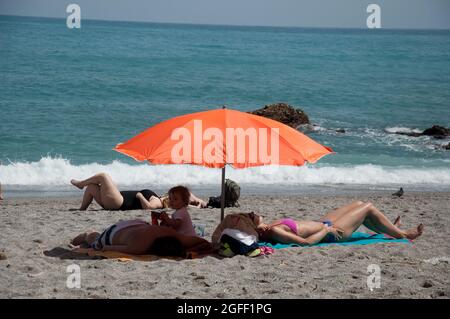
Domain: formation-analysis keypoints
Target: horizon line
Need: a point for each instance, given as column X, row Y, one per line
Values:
column 228, row 25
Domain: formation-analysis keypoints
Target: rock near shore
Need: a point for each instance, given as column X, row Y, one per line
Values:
column 283, row 113
column 435, row 131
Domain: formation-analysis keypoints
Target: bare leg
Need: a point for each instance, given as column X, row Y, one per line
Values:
column 342, row 211
column 96, row 179
column 92, row 192
column 110, row 196
column 368, row 223
column 355, row 218
column 339, row 212
column 381, row 222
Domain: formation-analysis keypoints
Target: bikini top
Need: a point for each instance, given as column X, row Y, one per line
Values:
column 289, row 222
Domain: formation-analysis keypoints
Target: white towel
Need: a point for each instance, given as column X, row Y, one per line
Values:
column 244, row 238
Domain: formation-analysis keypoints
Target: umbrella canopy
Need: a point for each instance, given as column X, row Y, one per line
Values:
column 223, row 136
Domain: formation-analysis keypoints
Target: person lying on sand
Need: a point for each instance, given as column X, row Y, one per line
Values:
column 138, row 237
column 337, row 225
column 102, row 188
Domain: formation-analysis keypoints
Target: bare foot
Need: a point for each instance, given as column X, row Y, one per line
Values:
column 398, row 221
column 1, row 197
column 413, row 233
column 76, row 183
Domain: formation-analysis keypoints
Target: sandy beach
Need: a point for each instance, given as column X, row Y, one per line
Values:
column 34, row 236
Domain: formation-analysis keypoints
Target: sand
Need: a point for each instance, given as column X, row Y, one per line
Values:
column 34, row 236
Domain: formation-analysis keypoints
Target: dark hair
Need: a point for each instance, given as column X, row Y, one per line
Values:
column 167, row 246
column 183, row 192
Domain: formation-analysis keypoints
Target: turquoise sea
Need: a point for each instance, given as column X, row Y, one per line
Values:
column 67, row 97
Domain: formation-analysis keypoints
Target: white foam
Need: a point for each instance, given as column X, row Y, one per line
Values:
column 57, row 172
column 401, row 129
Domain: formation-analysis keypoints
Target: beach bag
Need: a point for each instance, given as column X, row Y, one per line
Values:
column 240, row 221
column 235, row 242
column 214, row 202
column 230, row 246
column 232, row 194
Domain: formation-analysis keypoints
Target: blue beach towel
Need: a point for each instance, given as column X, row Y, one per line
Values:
column 357, row 238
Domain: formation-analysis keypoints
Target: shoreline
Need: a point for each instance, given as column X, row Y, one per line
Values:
column 207, row 191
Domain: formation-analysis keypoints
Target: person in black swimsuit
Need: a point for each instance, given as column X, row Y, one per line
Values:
column 130, row 201
column 102, row 188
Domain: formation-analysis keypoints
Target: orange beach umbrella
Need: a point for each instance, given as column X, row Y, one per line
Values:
column 223, row 136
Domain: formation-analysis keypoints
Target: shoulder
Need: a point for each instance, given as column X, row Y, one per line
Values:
column 148, row 191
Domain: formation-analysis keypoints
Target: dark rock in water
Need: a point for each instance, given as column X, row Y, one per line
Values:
column 340, row 130
column 283, row 113
column 409, row 134
column 306, row 128
column 446, row 147
column 437, row 131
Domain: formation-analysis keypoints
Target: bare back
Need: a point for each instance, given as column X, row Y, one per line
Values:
column 141, row 237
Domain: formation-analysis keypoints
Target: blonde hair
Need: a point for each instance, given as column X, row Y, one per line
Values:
column 165, row 201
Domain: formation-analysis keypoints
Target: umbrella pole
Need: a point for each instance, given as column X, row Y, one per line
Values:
column 222, row 196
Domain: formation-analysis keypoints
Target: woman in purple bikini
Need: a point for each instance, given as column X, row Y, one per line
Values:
column 337, row 225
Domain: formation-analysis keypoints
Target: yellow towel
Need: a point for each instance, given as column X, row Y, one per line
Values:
column 126, row 257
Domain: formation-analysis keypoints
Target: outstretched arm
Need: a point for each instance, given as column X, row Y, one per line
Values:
column 287, row 237
column 317, row 237
column 197, row 202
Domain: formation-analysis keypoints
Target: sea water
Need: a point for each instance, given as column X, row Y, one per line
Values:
column 68, row 96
